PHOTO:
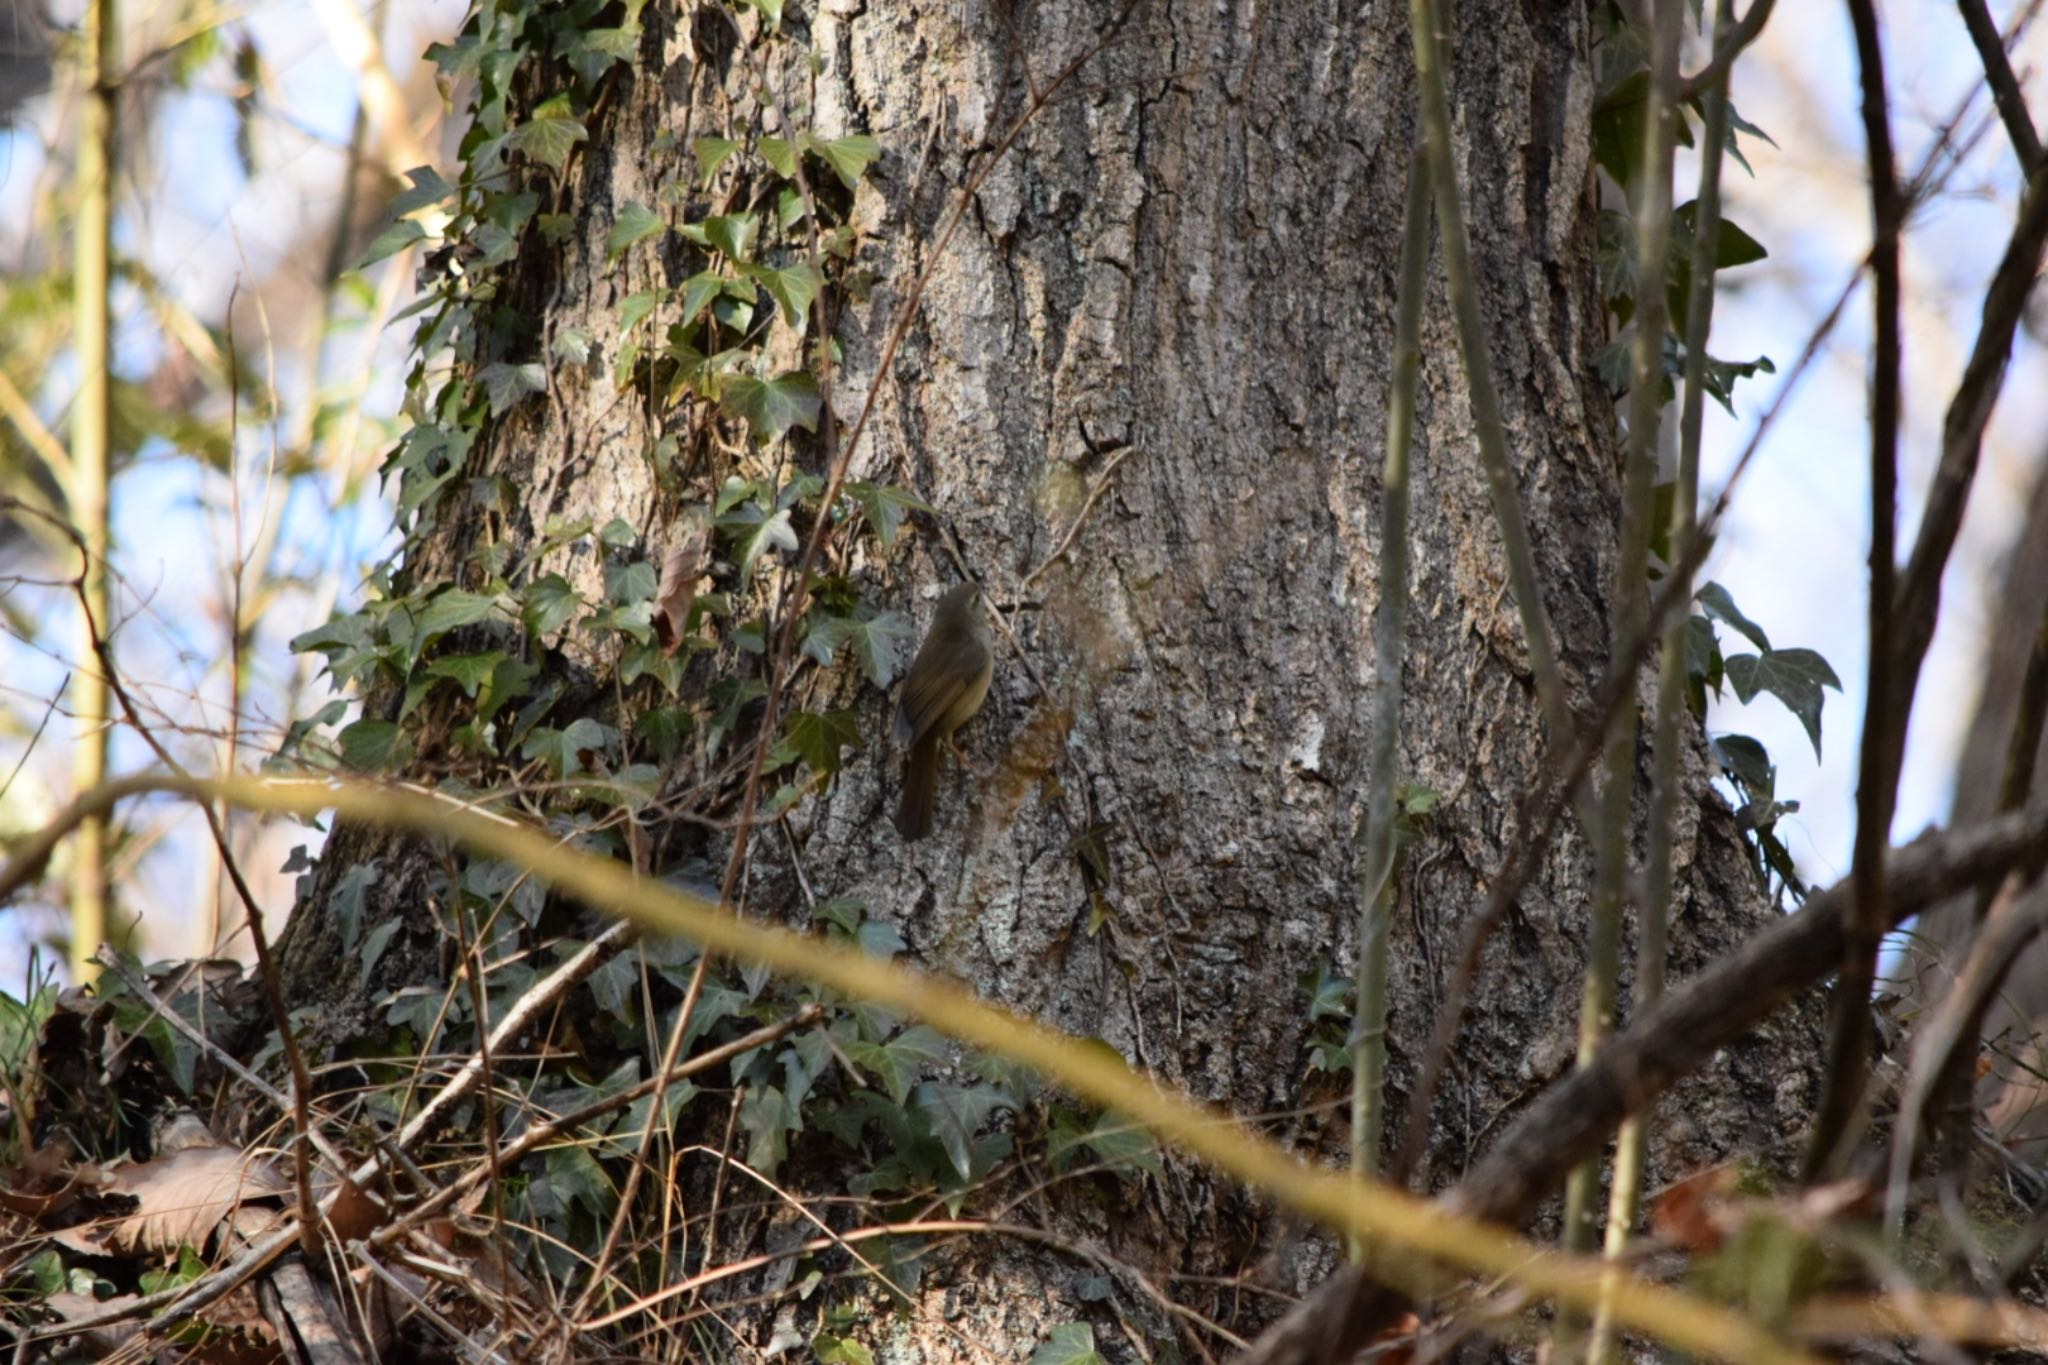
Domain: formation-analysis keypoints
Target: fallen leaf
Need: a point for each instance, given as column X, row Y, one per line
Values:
column 179, row 1200
column 1692, row 1214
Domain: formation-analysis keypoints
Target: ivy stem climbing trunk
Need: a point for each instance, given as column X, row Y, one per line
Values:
column 1668, row 739
column 90, row 423
column 1376, row 891
column 1630, row 609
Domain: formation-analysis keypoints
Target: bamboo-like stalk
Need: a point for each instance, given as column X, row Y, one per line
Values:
column 1629, row 609
column 1652, row 930
column 91, row 422
column 1376, row 891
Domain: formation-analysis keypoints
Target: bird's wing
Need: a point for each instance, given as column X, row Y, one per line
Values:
column 928, row 694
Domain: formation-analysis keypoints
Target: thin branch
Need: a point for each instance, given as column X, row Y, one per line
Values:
column 542, row 1131
column 1884, row 717
column 1721, row 1004
column 1969, row 412
column 1726, row 50
column 1677, row 1037
column 2012, row 923
column 1095, row 492
column 1430, row 46
column 1950, row 1107
column 2012, row 106
column 1394, row 1220
column 91, row 434
column 1390, row 625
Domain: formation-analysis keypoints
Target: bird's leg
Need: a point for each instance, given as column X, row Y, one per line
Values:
column 966, row 764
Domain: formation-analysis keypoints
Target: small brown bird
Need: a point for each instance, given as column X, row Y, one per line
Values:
column 946, row 685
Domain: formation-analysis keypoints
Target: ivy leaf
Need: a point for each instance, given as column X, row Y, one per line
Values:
column 698, row 292
column 1720, row 605
column 450, row 610
column 548, row 604
column 780, row 154
column 734, row 233
column 955, row 1112
column 469, row 671
column 711, row 154
column 880, row 642
column 1747, row 762
column 794, row 287
column 1795, row 677
column 1732, row 245
column 549, row 135
column 374, row 745
column 508, row 384
column 773, row 406
column 509, row 681
column 766, row 1116
column 771, row 10
column 595, row 51
column 836, row 1350
column 1722, row 374
column 573, row 345
column 1329, row 994
column 428, row 187
column 896, row 1063
column 886, row 507
column 637, row 306
column 567, row 752
column 849, row 157
column 763, row 531
column 818, row 740
column 626, row 584
column 636, row 222
column 879, row 938
column 392, row 240
column 1071, row 1343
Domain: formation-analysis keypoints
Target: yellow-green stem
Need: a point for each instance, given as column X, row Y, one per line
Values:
column 1376, row 893
column 90, row 425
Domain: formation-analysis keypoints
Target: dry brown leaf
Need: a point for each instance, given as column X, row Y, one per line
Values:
column 681, row 568
column 47, row 1182
column 180, row 1199
column 1692, row 1214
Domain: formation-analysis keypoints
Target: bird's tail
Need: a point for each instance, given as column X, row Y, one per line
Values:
column 920, row 787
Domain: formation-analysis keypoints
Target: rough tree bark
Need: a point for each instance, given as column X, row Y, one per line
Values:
column 1188, row 261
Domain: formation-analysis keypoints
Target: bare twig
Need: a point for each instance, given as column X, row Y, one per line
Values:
column 542, row 1131
column 1095, row 492
column 1969, row 412
column 1727, row 47
column 1671, row 1041
column 2013, row 922
column 1884, row 719
column 2005, row 87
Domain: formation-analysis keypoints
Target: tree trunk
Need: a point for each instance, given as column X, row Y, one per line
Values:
column 1178, row 284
